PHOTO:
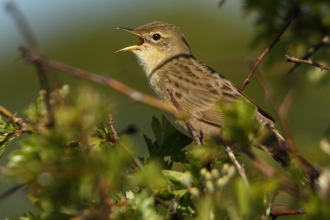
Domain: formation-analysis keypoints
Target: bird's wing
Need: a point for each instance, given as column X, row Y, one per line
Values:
column 199, row 98
column 198, row 94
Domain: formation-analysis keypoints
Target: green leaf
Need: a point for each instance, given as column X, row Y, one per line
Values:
column 168, row 128
column 169, row 143
column 7, row 134
column 157, row 130
column 176, row 178
column 4, row 141
column 179, row 192
column 186, row 208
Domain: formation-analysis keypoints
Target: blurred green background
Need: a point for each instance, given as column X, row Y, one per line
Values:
column 83, row 34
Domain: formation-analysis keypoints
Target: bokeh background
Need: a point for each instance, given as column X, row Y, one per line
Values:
column 83, row 34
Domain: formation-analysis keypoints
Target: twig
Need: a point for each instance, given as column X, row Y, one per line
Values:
column 274, row 215
column 10, row 191
column 22, row 24
column 240, row 168
column 27, row 33
column 187, row 122
column 277, row 38
column 281, row 111
column 290, row 59
column 113, row 130
column 285, row 184
column 17, row 120
column 324, row 41
column 267, row 170
column 282, row 114
column 36, row 59
column 137, row 163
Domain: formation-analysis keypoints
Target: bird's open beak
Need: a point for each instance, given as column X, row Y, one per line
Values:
column 134, row 47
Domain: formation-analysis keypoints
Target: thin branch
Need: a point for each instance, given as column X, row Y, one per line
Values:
column 137, row 163
column 282, row 114
column 41, row 69
column 108, row 81
column 281, row 111
column 17, row 120
column 112, row 128
column 274, row 215
column 285, row 184
column 239, row 167
column 277, row 38
column 187, row 122
column 10, row 191
column 324, row 41
column 22, row 24
column 267, row 170
column 290, row 59
column 27, row 33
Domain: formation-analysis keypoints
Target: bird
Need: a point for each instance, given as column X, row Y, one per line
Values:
column 175, row 75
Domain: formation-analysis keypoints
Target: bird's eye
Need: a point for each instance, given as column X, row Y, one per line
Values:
column 156, row 36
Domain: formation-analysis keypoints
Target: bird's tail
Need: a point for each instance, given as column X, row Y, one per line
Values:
column 279, row 149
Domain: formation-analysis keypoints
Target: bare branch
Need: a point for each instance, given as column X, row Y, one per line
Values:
column 112, row 128
column 274, row 215
column 281, row 111
column 285, row 184
column 10, row 191
column 22, row 24
column 277, row 38
column 108, row 81
column 290, row 59
column 324, row 41
column 27, row 33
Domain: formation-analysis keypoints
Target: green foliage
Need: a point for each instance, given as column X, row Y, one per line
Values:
column 7, row 133
column 169, row 143
column 241, row 123
column 75, row 168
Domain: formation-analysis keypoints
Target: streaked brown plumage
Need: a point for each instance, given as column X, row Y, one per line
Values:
column 164, row 55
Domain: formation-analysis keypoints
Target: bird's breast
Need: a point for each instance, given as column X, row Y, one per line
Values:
column 157, row 86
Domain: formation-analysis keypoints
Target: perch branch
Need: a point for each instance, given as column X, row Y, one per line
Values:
column 104, row 80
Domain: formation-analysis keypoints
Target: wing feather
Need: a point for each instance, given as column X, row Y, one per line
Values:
column 197, row 88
